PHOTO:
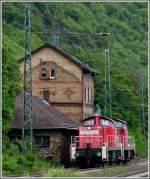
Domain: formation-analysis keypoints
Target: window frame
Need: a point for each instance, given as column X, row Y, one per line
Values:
column 41, row 143
column 86, row 121
column 43, row 71
column 107, row 123
column 52, row 77
column 46, row 97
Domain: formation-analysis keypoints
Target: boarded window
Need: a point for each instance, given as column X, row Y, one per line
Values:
column 46, row 95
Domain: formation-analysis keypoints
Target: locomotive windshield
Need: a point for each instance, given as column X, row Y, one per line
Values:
column 117, row 124
column 89, row 122
column 105, row 122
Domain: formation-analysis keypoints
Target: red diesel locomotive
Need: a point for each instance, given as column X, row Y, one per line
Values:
column 100, row 140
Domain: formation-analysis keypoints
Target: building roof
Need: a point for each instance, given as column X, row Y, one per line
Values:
column 84, row 66
column 44, row 116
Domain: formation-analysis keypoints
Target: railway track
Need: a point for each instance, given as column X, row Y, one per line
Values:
column 133, row 166
column 135, row 162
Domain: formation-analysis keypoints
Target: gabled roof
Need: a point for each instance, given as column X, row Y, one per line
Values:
column 84, row 66
column 44, row 116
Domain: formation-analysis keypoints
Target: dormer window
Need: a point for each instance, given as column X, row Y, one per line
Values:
column 52, row 73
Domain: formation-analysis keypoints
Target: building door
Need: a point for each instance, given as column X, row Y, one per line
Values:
column 46, row 95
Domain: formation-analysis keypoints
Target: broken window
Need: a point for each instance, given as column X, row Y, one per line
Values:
column 46, row 95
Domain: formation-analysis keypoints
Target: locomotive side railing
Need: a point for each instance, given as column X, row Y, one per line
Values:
column 131, row 142
column 116, row 141
column 110, row 141
column 97, row 141
column 82, row 141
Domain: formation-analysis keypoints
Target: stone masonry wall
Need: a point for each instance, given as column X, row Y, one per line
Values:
column 54, row 150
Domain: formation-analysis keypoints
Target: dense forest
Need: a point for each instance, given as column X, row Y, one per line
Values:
column 78, row 26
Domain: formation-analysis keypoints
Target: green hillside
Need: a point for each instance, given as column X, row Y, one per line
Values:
column 78, row 25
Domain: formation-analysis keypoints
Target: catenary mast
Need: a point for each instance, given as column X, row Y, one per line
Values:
column 27, row 85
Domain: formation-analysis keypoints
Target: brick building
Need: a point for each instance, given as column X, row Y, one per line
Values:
column 62, row 80
column 52, row 130
column 63, row 93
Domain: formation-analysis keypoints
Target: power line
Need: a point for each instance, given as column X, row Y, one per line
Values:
column 76, row 33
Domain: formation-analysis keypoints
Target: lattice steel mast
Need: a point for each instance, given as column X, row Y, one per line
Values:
column 108, row 98
column 27, row 85
column 141, row 95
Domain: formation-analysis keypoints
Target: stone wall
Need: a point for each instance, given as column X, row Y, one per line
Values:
column 54, row 150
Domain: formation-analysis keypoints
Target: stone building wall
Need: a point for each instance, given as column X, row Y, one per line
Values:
column 67, row 89
column 54, row 150
column 88, row 94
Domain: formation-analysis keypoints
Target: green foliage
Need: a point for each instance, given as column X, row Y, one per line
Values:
column 10, row 80
column 128, row 52
column 14, row 162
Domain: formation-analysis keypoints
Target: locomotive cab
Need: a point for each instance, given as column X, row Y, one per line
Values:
column 101, row 139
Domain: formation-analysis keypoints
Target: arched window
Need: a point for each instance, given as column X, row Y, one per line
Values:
column 52, row 73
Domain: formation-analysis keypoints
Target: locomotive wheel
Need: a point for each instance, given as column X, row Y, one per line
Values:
column 88, row 157
column 124, row 162
column 103, row 164
column 110, row 163
column 83, row 163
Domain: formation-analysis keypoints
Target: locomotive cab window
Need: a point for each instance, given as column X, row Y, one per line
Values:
column 105, row 122
column 118, row 124
column 89, row 122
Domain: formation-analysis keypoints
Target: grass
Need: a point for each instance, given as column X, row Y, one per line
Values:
column 109, row 172
column 61, row 172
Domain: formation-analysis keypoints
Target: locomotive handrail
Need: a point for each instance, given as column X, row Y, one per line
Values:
column 116, row 141
column 83, row 140
column 131, row 142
